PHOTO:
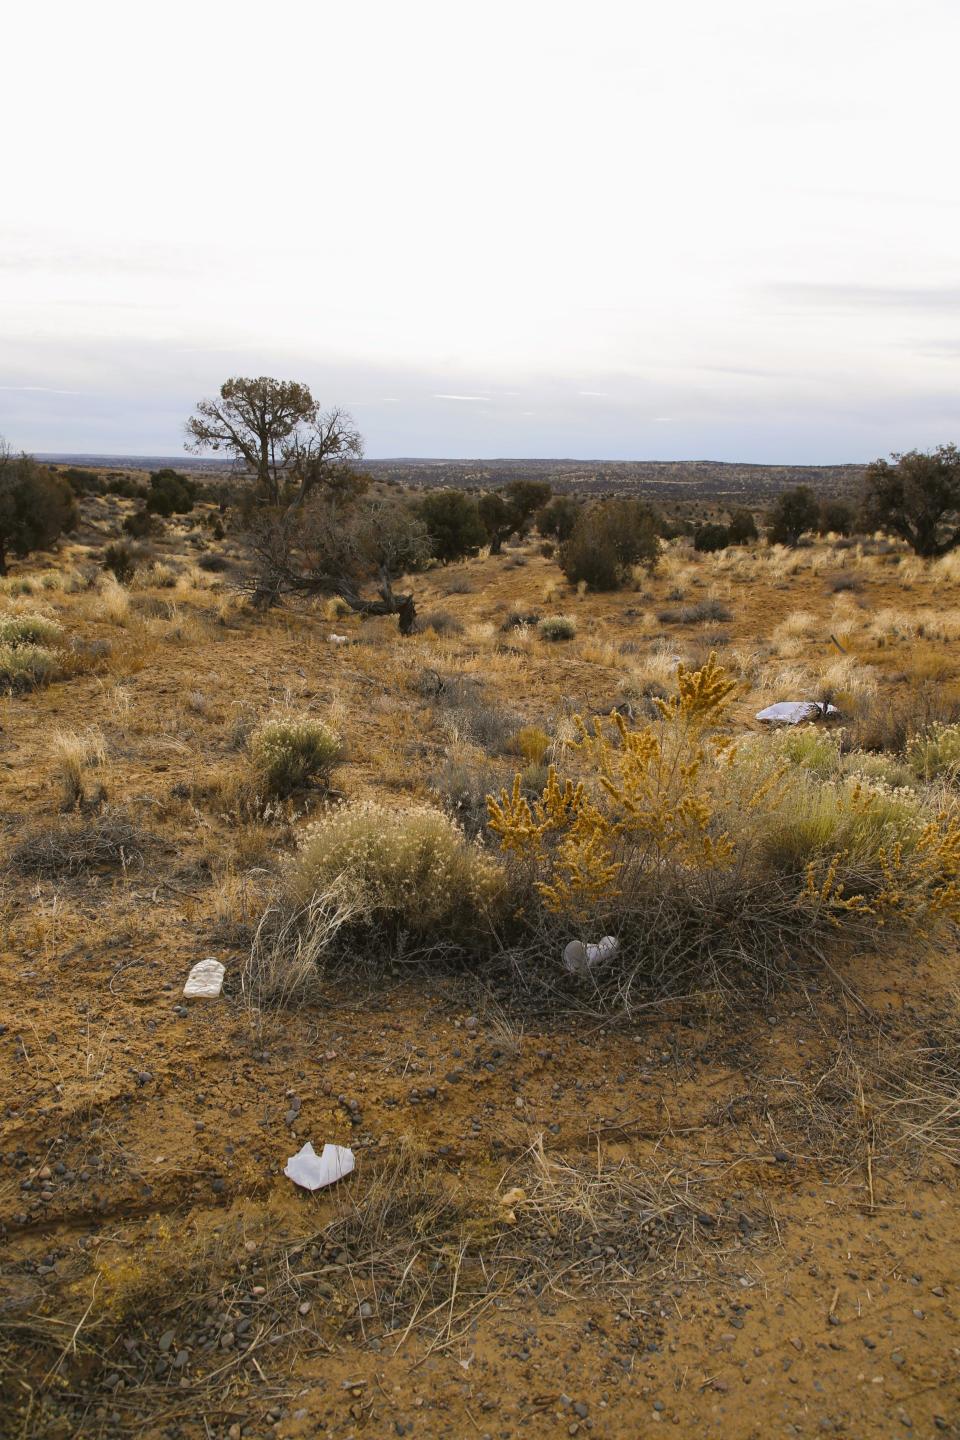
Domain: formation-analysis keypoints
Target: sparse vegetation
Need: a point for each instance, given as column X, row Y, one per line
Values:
column 288, row 751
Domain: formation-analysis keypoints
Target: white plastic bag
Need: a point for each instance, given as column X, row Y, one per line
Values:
column 313, row 1171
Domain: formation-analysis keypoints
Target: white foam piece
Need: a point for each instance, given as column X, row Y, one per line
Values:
column 795, row 712
column 205, row 980
column 313, row 1171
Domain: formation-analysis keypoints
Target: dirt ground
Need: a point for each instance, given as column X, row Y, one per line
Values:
column 735, row 1220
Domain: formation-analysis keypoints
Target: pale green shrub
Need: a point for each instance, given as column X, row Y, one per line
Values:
column 29, row 629
column 812, row 749
column 289, row 750
column 935, row 754
column 23, row 666
column 412, row 870
column 557, row 627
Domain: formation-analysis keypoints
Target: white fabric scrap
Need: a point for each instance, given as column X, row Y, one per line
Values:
column 313, row 1171
column 795, row 712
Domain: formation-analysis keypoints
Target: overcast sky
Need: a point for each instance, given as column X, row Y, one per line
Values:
column 625, row 230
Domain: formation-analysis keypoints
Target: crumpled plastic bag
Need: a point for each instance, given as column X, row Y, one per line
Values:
column 795, row 712
column 313, row 1171
column 580, row 959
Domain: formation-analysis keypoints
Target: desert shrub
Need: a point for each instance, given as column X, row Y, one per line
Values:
column 607, row 541
column 83, row 482
column 441, row 622
column 29, row 629
column 558, row 518
column 837, row 517
column 77, row 846
column 703, row 610
column 794, row 512
column 289, row 751
column 710, row 538
column 700, row 855
column 935, row 754
column 214, row 564
column 127, row 487
column 741, row 526
column 889, row 721
column 170, row 493
column 121, row 560
column 142, row 524
column 36, row 507
column 462, row 785
column 517, row 619
column 812, row 748
column 453, row 523
column 557, row 627
column 470, row 716
column 459, row 585
column 400, row 870
column 22, row 667
column 532, row 743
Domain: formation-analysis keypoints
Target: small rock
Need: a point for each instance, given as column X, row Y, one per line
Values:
column 581, row 1408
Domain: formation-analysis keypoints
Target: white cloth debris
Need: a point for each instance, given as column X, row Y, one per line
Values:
column 580, row 959
column 339, row 639
column 313, row 1171
column 795, row 712
column 205, row 980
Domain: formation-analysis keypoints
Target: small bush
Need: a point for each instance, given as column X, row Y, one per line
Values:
column 710, row 538
column 141, row 524
column 215, row 564
column 24, row 666
column 704, row 610
column 121, row 560
column 471, row 717
column 607, row 541
column 77, row 847
column 402, row 870
column 935, row 754
column 29, row 629
column 441, row 622
column 289, row 751
column 557, row 627
column 742, row 527
column 462, row 787
column 532, row 743
column 459, row 585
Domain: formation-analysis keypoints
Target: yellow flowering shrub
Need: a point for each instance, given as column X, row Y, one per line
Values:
column 643, row 801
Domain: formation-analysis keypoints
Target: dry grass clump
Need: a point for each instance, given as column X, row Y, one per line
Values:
column 75, row 753
column 112, row 602
column 68, row 848
column 557, row 627
column 289, row 751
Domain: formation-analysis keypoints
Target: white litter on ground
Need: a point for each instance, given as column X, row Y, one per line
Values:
column 339, row 639
column 580, row 959
column 313, row 1171
column 205, row 980
column 795, row 712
